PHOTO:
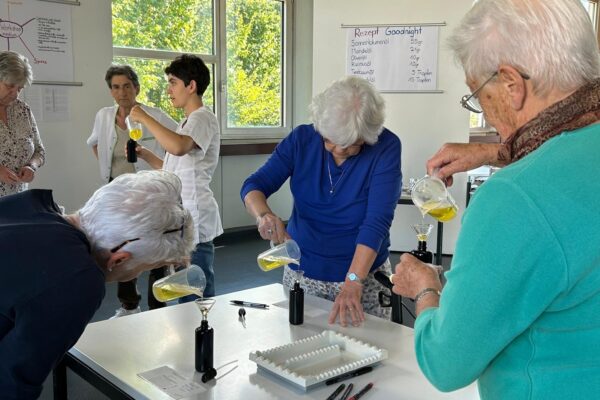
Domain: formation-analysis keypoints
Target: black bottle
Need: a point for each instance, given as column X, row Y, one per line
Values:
column 131, row 153
column 296, row 304
column 422, row 254
column 204, row 347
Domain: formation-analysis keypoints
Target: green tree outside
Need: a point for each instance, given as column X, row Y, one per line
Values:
column 254, row 32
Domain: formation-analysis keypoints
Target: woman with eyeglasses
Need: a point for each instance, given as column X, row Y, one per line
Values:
column 519, row 310
column 21, row 149
column 344, row 172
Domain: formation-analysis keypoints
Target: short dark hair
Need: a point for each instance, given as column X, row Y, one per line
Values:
column 125, row 70
column 189, row 67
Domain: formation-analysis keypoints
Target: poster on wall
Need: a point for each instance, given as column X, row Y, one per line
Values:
column 394, row 58
column 41, row 31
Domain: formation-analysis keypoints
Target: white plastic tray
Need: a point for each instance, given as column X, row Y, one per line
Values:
column 311, row 361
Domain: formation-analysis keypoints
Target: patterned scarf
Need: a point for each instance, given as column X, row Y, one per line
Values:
column 580, row 109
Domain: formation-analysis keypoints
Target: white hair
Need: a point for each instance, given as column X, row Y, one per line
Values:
column 349, row 110
column 15, row 68
column 143, row 205
column 552, row 41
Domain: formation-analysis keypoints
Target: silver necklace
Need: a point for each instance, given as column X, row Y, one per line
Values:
column 331, row 184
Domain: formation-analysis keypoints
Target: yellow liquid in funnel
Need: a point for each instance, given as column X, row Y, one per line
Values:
column 135, row 134
column 169, row 291
column 441, row 212
column 268, row 263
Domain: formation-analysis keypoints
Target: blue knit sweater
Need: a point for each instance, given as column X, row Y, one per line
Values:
column 328, row 226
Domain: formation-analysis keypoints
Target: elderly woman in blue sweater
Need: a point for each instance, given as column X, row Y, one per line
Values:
column 345, row 178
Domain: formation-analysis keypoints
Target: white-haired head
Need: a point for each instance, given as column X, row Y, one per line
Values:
column 349, row 110
column 144, row 210
column 551, row 41
column 15, row 69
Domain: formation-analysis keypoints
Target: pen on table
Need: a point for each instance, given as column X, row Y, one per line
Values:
column 362, row 392
column 347, row 375
column 347, row 392
column 336, row 392
column 249, row 304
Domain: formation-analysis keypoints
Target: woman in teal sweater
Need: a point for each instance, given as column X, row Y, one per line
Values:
column 520, row 310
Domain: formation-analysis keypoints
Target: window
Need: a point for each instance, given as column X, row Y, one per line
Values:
column 245, row 43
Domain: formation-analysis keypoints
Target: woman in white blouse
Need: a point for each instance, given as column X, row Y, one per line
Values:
column 21, row 149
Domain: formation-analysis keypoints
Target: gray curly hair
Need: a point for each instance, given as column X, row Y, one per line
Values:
column 552, row 41
column 349, row 110
column 144, row 205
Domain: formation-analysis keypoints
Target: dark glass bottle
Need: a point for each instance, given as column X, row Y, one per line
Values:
column 131, row 153
column 422, row 254
column 204, row 347
column 296, row 304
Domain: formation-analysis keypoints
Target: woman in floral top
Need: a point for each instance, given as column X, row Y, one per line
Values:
column 21, row 149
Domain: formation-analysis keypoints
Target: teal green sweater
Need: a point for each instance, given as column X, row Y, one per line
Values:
column 520, row 311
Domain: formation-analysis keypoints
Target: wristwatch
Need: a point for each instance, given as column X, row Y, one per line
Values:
column 353, row 277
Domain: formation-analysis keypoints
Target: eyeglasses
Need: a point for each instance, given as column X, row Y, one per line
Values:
column 119, row 247
column 470, row 101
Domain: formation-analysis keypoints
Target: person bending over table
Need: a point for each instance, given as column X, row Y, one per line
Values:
column 519, row 311
column 345, row 178
column 21, row 149
column 130, row 225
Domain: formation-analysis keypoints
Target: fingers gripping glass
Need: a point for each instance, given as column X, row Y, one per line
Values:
column 470, row 101
column 119, row 247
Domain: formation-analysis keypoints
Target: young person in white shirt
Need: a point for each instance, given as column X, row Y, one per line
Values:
column 108, row 139
column 192, row 153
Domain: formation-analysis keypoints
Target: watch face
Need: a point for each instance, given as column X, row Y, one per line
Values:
column 352, row 276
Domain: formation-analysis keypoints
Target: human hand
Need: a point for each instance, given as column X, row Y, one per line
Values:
column 7, row 175
column 461, row 157
column 137, row 114
column 271, row 227
column 412, row 275
column 26, row 174
column 348, row 306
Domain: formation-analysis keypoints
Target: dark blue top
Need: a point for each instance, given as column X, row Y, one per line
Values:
column 51, row 287
column 328, row 226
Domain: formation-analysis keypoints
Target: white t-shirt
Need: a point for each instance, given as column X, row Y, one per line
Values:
column 196, row 168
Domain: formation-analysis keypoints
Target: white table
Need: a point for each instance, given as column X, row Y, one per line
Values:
column 111, row 353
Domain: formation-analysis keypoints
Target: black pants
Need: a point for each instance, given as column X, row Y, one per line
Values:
column 129, row 296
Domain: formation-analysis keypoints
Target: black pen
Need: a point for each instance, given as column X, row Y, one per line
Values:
column 347, row 375
column 336, row 392
column 347, row 392
column 249, row 304
column 362, row 392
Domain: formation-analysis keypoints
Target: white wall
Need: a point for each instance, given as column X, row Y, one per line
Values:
column 71, row 169
column 422, row 121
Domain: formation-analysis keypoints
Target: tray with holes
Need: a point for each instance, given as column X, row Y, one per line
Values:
column 315, row 359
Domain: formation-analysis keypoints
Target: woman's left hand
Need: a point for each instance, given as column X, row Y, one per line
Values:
column 348, row 306
column 26, row 174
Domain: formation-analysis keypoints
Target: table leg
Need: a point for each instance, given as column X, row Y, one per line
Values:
column 59, row 378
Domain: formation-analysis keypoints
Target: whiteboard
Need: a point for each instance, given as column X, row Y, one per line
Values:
column 394, row 58
column 40, row 31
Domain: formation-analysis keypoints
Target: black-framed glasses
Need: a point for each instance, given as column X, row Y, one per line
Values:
column 119, row 247
column 470, row 101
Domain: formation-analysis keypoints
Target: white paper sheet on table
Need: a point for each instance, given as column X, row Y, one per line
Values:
column 170, row 382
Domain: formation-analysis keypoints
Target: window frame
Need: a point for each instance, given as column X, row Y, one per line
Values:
column 218, row 60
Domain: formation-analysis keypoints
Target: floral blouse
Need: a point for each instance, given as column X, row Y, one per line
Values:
column 19, row 143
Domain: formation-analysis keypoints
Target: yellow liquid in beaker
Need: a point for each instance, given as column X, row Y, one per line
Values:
column 443, row 212
column 135, row 134
column 268, row 263
column 169, row 291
